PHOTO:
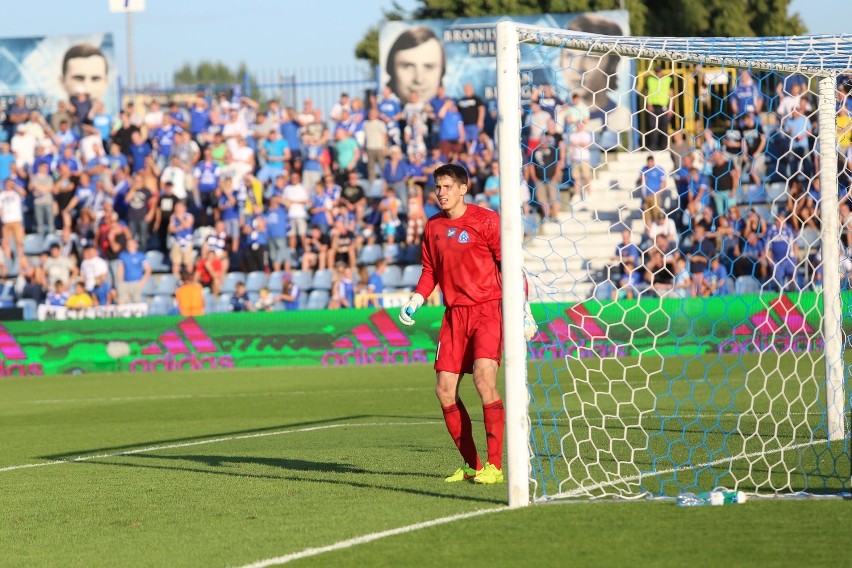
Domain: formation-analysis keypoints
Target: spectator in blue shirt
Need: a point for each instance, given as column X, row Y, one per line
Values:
column 240, row 300
column 133, row 272
column 139, row 150
column 277, row 227
column 375, row 284
column 290, row 292
column 652, row 180
column 782, row 252
column 276, row 153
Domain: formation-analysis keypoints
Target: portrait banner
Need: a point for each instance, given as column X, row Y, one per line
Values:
column 53, row 68
column 420, row 55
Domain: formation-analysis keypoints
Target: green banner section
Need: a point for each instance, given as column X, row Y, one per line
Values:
column 732, row 324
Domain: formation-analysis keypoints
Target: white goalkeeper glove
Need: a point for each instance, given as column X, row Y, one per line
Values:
column 409, row 308
column 530, row 327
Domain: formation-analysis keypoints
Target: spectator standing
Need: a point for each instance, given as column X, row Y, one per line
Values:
column 724, row 180
column 182, row 252
column 348, row 153
column 472, row 110
column 579, row 143
column 546, row 174
column 653, row 181
column 92, row 268
column 12, row 215
column 278, row 226
column 746, row 96
column 375, row 284
column 207, row 174
column 782, row 252
column 190, row 295
column 659, row 96
column 133, row 272
column 41, row 188
column 141, row 208
column 703, row 250
column 296, row 199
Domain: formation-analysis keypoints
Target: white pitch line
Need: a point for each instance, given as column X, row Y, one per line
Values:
column 344, row 544
column 210, row 441
column 582, row 490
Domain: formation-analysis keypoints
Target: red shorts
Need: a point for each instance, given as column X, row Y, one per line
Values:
column 469, row 333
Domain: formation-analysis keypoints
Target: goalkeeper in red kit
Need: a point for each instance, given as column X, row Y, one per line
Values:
column 461, row 254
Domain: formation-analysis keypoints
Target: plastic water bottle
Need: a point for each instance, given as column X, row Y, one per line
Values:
column 714, row 498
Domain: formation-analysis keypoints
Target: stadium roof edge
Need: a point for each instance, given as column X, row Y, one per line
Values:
column 824, row 55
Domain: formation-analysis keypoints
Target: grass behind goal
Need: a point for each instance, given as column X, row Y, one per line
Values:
column 225, row 468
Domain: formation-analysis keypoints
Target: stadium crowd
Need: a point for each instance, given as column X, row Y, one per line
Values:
column 260, row 203
column 742, row 213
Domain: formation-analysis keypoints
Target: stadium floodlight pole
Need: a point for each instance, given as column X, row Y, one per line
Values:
column 512, row 234
column 131, row 65
column 832, row 316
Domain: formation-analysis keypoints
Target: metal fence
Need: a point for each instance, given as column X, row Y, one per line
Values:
column 290, row 87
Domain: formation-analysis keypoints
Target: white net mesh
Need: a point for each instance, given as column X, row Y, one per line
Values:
column 684, row 243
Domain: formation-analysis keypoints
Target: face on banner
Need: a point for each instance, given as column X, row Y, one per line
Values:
column 415, row 64
column 85, row 70
column 55, row 68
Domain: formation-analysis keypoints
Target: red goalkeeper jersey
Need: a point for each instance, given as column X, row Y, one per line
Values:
column 462, row 256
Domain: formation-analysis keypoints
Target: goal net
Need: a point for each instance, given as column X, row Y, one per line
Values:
column 682, row 209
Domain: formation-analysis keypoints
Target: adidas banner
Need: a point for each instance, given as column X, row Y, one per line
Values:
column 624, row 328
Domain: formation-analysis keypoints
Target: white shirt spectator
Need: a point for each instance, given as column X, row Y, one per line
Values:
column 178, row 178
column 12, row 208
column 297, row 195
column 579, row 142
column 91, row 269
column 667, row 228
column 153, row 120
column 88, row 145
column 23, row 145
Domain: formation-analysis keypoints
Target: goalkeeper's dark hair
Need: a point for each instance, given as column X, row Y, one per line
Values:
column 455, row 171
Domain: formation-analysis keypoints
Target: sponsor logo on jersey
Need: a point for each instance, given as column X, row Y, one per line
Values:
column 451, row 233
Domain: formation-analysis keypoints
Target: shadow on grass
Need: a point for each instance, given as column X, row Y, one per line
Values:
column 338, row 420
column 297, row 466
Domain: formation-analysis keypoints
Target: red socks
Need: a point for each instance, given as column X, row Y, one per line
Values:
column 495, row 419
column 459, row 427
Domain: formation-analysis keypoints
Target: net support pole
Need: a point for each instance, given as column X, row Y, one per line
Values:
column 832, row 307
column 512, row 234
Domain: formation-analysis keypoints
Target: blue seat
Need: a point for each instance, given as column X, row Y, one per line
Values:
column 230, row 283
column 223, row 304
column 33, row 245
column 370, row 254
column 411, row 275
column 255, row 281
column 276, row 283
column 157, row 261
column 303, row 280
column 166, row 285
column 392, row 277
column 746, row 285
column 149, row 288
column 209, row 301
column 322, row 280
column 161, row 305
column 317, row 300
column 391, row 252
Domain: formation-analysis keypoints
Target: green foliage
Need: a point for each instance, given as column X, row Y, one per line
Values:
column 215, row 74
column 679, row 18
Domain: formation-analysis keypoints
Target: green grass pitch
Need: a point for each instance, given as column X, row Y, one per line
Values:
column 228, row 468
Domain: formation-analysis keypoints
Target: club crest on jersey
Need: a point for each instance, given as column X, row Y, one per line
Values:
column 464, row 237
column 451, row 233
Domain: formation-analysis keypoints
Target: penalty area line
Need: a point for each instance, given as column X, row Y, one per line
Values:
column 364, row 539
column 210, row 441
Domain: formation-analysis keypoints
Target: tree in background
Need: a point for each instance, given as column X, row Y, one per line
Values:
column 679, row 18
column 215, row 74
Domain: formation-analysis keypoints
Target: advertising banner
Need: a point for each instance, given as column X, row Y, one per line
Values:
column 672, row 327
column 52, row 68
column 422, row 54
column 46, row 312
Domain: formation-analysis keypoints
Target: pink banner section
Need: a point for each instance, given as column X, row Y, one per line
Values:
column 196, row 336
column 173, row 343
column 365, row 336
column 9, row 347
column 580, row 315
column 387, row 327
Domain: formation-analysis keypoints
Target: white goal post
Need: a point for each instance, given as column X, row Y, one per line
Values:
column 820, row 58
